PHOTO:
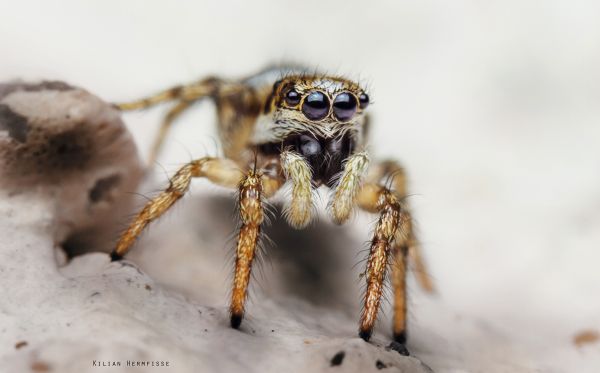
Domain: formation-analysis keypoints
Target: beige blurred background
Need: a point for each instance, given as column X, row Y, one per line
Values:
column 492, row 106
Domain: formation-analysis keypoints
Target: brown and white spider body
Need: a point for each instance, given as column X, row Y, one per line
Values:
column 285, row 125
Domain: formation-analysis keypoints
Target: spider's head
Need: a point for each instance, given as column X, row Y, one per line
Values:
column 320, row 117
column 324, row 106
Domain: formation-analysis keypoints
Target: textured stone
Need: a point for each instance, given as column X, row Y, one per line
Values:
column 62, row 144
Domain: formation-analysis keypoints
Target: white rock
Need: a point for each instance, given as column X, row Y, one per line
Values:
column 64, row 146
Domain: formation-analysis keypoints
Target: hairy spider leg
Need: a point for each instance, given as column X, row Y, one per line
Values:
column 186, row 96
column 220, row 171
column 251, row 212
column 384, row 201
column 391, row 172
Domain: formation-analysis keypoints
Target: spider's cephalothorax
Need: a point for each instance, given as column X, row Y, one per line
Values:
column 320, row 118
column 285, row 125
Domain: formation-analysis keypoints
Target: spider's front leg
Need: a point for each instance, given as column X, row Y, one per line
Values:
column 404, row 246
column 387, row 203
column 392, row 173
column 224, row 172
column 251, row 210
column 373, row 198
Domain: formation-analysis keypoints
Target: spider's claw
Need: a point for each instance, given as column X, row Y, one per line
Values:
column 398, row 347
column 365, row 334
column 236, row 321
column 114, row 257
column 400, row 337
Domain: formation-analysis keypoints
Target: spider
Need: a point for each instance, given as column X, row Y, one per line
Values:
column 282, row 125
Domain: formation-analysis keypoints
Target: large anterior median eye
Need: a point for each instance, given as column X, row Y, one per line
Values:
column 316, row 106
column 344, row 106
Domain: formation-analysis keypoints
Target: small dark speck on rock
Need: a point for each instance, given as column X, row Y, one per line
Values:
column 148, row 287
column 94, row 294
column 272, row 330
column 125, row 264
column 103, row 187
column 380, row 365
column 20, row 344
column 398, row 347
column 205, row 330
column 338, row 358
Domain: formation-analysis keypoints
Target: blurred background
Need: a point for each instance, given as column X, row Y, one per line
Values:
column 493, row 107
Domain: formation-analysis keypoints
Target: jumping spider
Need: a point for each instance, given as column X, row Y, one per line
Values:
column 285, row 124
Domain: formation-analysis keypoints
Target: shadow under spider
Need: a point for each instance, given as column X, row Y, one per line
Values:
column 313, row 264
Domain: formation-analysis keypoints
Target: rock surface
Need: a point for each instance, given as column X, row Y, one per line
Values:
column 65, row 147
column 67, row 169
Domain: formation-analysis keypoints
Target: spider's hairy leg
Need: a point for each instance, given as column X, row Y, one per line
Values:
column 389, row 172
column 387, row 204
column 402, row 243
column 186, row 96
column 420, row 269
column 392, row 173
column 299, row 211
column 399, row 285
column 220, row 171
column 170, row 117
column 252, row 215
column 348, row 186
column 403, row 239
column 190, row 92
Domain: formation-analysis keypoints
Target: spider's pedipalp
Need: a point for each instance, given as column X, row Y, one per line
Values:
column 299, row 211
column 347, row 188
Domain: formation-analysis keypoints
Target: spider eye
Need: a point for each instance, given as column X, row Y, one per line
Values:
column 316, row 106
column 364, row 100
column 292, row 97
column 344, row 106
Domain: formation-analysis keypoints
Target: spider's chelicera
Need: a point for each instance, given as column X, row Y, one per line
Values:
column 285, row 125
